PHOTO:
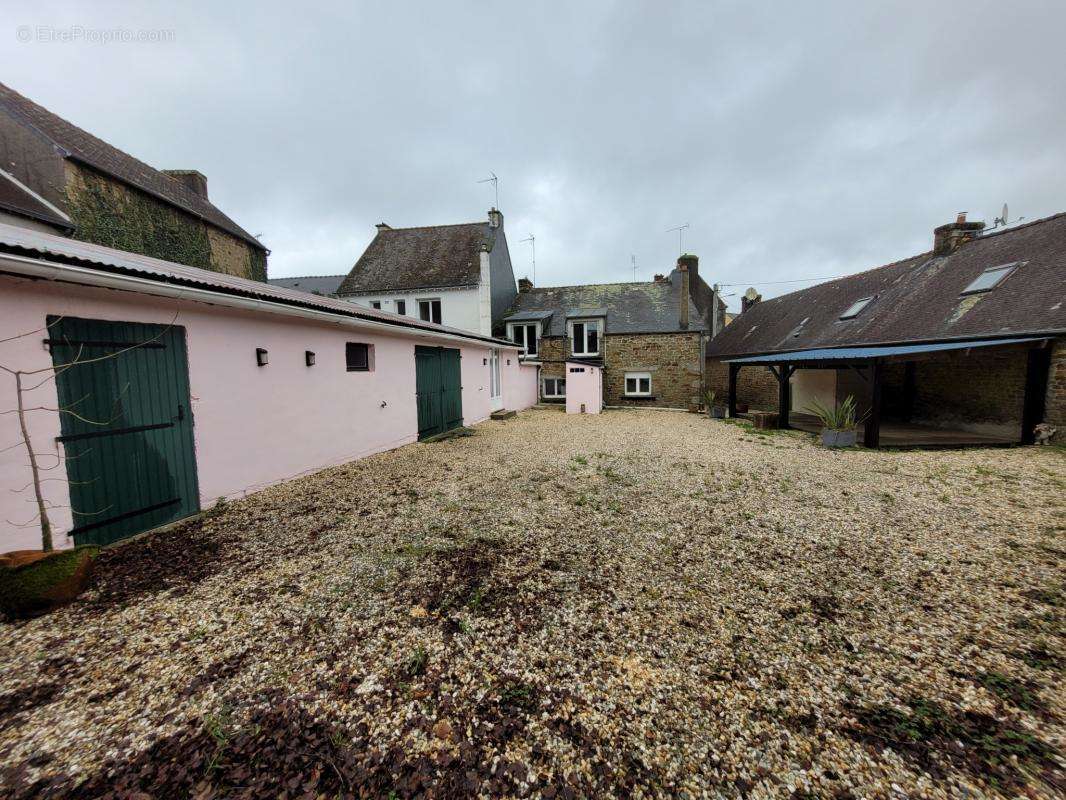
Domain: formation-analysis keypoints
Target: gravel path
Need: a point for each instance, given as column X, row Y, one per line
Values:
column 640, row 604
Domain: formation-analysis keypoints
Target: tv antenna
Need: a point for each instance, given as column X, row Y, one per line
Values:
column 495, row 186
column 633, row 258
column 533, row 250
column 680, row 232
column 1003, row 219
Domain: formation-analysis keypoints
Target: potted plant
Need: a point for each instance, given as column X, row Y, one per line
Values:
column 713, row 411
column 838, row 423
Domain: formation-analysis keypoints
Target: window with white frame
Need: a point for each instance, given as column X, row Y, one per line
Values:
column 638, row 384
column 524, row 334
column 585, row 337
column 554, row 387
column 429, row 311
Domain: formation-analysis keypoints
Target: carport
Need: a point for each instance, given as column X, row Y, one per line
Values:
column 869, row 364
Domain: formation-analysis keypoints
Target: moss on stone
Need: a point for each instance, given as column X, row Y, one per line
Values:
column 37, row 586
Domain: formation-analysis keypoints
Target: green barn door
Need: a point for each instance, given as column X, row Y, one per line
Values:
column 129, row 443
column 438, row 390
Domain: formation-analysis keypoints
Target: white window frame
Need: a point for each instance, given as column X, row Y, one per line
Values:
column 525, row 326
column 430, row 301
column 857, row 307
column 597, row 322
column 638, row 377
column 495, row 384
column 556, row 382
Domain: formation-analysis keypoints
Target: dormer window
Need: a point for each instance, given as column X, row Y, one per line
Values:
column 989, row 279
column 856, row 308
column 585, row 337
column 525, row 335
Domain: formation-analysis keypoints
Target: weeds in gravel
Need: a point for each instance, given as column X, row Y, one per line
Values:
column 930, row 734
column 416, row 662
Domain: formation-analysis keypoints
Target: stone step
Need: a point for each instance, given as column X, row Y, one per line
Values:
column 503, row 413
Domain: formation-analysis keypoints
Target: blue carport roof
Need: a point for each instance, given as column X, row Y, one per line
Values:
column 861, row 353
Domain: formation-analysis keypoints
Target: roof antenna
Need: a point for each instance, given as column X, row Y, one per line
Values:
column 533, row 248
column 1003, row 219
column 633, row 258
column 680, row 232
column 495, row 185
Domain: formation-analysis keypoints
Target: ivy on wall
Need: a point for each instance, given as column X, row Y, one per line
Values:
column 109, row 213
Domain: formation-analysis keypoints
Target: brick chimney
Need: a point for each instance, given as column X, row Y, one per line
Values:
column 949, row 238
column 693, row 264
column 659, row 278
column 686, row 288
column 195, row 182
column 750, row 298
column 381, row 226
column 525, row 285
column 495, row 218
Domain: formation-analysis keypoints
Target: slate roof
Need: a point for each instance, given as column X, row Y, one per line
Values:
column 650, row 307
column 17, row 199
column 74, row 143
column 437, row 256
column 325, row 285
column 72, row 257
column 918, row 299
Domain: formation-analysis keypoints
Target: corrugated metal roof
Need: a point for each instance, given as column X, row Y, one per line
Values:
column 861, row 353
column 110, row 260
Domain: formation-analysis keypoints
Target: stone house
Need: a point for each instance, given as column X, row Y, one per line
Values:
column 57, row 178
column 456, row 275
column 648, row 337
column 963, row 344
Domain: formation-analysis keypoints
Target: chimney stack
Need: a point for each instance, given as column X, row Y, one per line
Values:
column 750, row 298
column 495, row 218
column 693, row 264
column 682, row 312
column 381, row 226
column 524, row 285
column 949, row 238
column 195, row 182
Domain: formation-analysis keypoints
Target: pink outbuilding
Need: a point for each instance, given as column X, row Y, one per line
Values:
column 153, row 389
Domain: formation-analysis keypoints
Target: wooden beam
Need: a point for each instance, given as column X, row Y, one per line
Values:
column 734, row 371
column 1037, row 367
column 783, row 396
column 872, row 434
column 910, row 389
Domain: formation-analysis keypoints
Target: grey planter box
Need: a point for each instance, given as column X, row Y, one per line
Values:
column 718, row 412
column 831, row 438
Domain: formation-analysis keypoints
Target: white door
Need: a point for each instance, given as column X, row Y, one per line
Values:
column 495, row 391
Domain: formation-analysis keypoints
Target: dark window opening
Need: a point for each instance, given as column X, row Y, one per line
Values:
column 429, row 311
column 375, row 304
column 357, row 356
column 401, row 307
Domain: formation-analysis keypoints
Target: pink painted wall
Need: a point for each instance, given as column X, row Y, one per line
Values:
column 583, row 388
column 521, row 386
column 254, row 426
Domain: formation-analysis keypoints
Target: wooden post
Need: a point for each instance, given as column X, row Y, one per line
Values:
column 1036, row 374
column 872, row 437
column 783, row 396
column 734, row 370
column 910, row 389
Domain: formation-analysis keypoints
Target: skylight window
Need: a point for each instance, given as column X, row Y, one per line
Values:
column 856, row 308
column 989, row 279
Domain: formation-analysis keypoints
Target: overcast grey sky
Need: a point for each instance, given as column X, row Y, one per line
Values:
column 798, row 140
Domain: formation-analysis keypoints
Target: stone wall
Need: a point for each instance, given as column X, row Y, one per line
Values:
column 756, row 386
column 107, row 212
column 672, row 359
column 1055, row 408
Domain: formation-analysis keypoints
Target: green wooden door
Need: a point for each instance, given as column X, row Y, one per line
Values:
column 438, row 390
column 129, row 446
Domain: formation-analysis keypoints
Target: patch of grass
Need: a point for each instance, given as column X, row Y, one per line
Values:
column 1039, row 656
column 416, row 662
column 581, row 460
column 1008, row 689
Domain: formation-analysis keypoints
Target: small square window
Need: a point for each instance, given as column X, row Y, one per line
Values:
column 856, row 308
column 555, row 387
column 357, row 356
column 401, row 307
column 989, row 279
column 638, row 384
column 375, row 304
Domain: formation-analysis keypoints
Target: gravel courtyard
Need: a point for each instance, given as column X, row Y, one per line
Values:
column 639, row 604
